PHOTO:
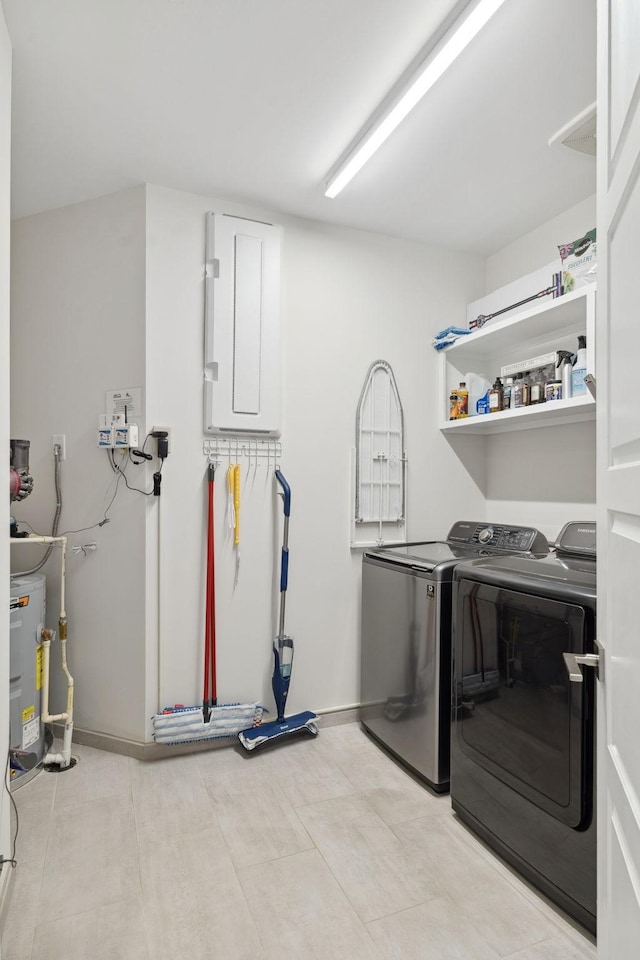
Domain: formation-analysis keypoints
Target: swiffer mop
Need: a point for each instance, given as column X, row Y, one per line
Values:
column 283, row 658
column 213, row 720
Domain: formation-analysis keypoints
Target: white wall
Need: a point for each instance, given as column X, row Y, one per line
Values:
column 96, row 305
column 77, row 329
column 349, row 298
column 542, row 477
column 540, row 246
column 5, row 164
column 115, row 306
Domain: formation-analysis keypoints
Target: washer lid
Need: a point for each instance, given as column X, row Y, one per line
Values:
column 424, row 556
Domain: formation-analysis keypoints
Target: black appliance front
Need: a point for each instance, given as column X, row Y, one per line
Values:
column 522, row 753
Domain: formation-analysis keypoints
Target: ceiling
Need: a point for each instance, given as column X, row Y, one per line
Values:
column 255, row 100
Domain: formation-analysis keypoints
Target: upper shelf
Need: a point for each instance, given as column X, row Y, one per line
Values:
column 524, row 331
column 545, row 327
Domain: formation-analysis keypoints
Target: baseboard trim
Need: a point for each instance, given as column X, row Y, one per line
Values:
column 331, row 717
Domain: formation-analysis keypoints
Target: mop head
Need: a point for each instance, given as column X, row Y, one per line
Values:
column 250, row 739
column 187, row 724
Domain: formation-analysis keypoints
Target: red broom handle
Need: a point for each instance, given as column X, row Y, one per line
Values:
column 212, row 593
column 207, row 628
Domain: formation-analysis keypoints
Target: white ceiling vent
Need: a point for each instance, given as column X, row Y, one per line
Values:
column 579, row 134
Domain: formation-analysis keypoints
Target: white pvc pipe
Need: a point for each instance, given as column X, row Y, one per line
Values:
column 35, row 538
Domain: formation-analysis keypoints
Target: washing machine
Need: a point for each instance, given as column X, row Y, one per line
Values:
column 405, row 662
column 523, row 742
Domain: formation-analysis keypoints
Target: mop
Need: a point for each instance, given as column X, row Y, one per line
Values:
column 283, row 659
column 212, row 720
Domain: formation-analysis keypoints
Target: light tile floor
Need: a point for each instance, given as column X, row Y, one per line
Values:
column 321, row 849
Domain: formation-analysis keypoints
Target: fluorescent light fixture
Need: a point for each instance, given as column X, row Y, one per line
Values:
column 429, row 72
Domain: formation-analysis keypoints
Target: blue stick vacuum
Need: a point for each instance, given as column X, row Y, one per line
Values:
column 283, row 658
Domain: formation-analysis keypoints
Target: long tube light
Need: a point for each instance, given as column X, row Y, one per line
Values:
column 430, row 71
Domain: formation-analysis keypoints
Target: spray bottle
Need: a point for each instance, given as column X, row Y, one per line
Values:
column 564, row 372
column 578, row 386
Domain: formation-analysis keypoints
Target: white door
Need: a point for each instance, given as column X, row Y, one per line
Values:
column 618, row 397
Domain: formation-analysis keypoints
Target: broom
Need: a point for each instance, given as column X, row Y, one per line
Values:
column 212, row 720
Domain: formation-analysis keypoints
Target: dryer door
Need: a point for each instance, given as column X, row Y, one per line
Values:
column 517, row 714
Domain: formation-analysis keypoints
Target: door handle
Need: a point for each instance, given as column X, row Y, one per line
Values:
column 572, row 662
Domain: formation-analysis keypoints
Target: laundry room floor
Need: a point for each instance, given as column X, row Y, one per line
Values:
column 320, row 848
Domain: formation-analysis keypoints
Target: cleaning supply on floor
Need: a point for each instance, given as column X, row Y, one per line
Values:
column 283, row 658
column 578, row 386
column 211, row 721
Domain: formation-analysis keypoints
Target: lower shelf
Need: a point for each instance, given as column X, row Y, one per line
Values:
column 524, row 418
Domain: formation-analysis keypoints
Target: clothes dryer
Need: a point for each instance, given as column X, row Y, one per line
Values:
column 523, row 737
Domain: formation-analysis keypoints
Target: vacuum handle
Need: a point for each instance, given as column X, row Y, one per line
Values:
column 286, row 492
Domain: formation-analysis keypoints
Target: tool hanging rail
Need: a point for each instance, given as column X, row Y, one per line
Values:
column 252, row 449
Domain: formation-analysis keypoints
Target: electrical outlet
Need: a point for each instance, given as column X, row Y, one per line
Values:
column 168, row 432
column 59, row 440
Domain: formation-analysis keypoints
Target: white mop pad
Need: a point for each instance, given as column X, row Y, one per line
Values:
column 184, row 724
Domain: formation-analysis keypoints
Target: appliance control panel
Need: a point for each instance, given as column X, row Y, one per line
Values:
column 498, row 537
column 578, row 539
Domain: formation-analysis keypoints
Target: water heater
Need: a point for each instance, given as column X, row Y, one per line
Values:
column 28, row 606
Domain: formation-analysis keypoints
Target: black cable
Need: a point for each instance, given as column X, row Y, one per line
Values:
column 141, row 449
column 118, row 469
column 115, row 494
column 101, row 523
column 12, row 860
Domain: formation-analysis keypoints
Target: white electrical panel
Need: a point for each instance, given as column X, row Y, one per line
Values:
column 242, row 367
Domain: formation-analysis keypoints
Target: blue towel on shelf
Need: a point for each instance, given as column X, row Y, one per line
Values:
column 446, row 337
